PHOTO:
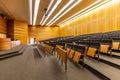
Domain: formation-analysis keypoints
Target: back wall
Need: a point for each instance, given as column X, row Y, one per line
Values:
column 103, row 19
column 42, row 33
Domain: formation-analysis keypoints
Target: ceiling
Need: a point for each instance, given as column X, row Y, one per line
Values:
column 20, row 10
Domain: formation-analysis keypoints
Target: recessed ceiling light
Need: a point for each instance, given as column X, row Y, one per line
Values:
column 55, row 6
column 37, row 2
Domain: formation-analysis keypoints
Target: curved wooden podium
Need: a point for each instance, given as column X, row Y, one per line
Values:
column 5, row 43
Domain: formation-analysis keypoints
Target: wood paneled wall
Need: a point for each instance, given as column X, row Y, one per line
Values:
column 5, row 43
column 18, row 30
column 10, row 29
column 3, row 27
column 103, row 19
column 42, row 33
column 2, row 35
column 21, row 31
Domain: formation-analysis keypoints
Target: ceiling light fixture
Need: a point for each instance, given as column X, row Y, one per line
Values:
column 97, row 6
column 51, row 2
column 30, row 9
column 37, row 2
column 84, row 13
column 55, row 6
column 68, row 4
column 93, row 4
column 78, row 1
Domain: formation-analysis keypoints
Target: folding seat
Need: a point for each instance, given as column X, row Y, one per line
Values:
column 42, row 47
column 105, row 46
column 72, row 51
column 77, row 57
column 62, row 56
column 79, row 54
column 91, row 52
column 115, row 45
column 68, row 50
column 49, row 49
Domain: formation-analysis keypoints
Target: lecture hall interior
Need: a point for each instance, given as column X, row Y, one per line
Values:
column 59, row 39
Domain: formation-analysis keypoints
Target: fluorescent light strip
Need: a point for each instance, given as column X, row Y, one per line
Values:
column 37, row 2
column 78, row 1
column 96, row 2
column 86, row 12
column 55, row 6
column 51, row 2
column 30, row 9
column 70, row 1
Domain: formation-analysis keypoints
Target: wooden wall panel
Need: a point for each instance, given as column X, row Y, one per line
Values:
column 117, row 14
column 10, row 29
column 2, row 35
column 21, row 31
column 3, row 27
column 5, row 43
column 65, row 31
column 42, row 33
column 104, row 19
column 17, row 30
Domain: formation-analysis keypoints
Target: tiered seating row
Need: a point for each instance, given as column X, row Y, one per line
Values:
column 91, row 45
column 76, row 52
column 47, row 48
column 95, row 43
column 42, row 47
column 62, row 55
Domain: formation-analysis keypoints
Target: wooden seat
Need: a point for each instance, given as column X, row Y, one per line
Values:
column 68, row 50
column 49, row 49
column 115, row 45
column 77, row 56
column 71, row 54
column 104, row 48
column 62, row 55
column 60, row 46
column 91, row 52
column 42, row 47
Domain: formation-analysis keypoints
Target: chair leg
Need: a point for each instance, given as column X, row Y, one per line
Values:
column 98, row 56
column 111, row 53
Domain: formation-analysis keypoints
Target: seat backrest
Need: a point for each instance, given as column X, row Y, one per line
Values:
column 77, row 56
column 68, row 50
column 71, row 54
column 91, row 52
column 115, row 45
column 81, row 49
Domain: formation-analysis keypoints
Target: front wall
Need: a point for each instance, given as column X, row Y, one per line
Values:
column 3, row 28
column 42, row 33
column 21, row 31
column 104, row 19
